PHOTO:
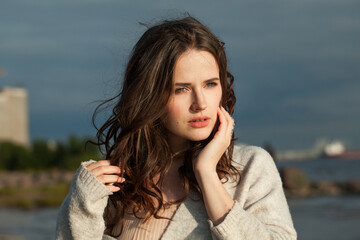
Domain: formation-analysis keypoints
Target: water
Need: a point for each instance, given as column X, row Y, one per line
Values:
column 330, row 218
column 31, row 225
column 327, row 169
column 317, row 218
column 327, row 217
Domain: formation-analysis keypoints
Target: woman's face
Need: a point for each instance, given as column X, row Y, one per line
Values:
column 195, row 98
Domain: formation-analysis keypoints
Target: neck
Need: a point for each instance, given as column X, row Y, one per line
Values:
column 177, row 144
column 172, row 186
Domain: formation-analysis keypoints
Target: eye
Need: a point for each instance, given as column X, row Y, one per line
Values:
column 180, row 90
column 211, row 84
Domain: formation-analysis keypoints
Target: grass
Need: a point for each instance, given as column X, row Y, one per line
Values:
column 33, row 197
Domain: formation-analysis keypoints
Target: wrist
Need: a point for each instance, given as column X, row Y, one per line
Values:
column 202, row 174
column 203, row 168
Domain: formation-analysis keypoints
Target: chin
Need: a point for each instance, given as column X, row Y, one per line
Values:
column 200, row 136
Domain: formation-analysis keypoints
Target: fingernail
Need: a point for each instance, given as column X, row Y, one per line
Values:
column 117, row 188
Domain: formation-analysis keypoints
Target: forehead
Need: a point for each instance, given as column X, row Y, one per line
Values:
column 195, row 65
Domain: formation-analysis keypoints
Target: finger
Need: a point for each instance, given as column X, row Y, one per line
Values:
column 226, row 114
column 101, row 170
column 222, row 121
column 106, row 179
column 113, row 188
column 230, row 122
column 227, row 124
column 97, row 164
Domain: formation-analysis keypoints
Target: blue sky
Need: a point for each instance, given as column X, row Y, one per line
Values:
column 296, row 63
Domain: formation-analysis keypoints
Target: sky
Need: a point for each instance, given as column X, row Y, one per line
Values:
column 296, row 63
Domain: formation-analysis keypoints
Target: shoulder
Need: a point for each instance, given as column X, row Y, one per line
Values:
column 244, row 155
column 255, row 161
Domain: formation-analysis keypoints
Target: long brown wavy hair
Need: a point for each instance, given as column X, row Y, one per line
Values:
column 134, row 138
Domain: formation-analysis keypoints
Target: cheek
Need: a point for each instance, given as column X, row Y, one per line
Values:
column 174, row 113
column 220, row 96
column 217, row 98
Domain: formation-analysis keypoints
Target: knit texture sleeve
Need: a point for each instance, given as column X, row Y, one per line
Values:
column 260, row 210
column 81, row 213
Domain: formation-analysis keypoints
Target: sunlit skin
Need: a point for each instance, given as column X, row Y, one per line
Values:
column 196, row 95
column 197, row 92
column 192, row 111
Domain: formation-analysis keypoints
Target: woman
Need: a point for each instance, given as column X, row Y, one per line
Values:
column 172, row 170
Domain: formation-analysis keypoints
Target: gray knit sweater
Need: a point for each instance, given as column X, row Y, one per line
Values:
column 260, row 211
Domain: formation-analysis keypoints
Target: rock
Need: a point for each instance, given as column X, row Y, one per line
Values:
column 326, row 188
column 11, row 237
column 294, row 178
column 352, row 186
column 13, row 179
column 295, row 182
column 41, row 179
column 66, row 177
column 25, row 180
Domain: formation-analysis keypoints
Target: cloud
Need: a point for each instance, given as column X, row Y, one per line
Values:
column 295, row 63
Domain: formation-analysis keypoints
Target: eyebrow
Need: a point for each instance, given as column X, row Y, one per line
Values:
column 188, row 84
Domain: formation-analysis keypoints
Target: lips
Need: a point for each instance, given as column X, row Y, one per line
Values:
column 199, row 122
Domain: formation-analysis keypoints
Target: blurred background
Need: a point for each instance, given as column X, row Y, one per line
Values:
column 297, row 82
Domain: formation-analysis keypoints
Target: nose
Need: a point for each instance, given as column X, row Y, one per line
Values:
column 199, row 101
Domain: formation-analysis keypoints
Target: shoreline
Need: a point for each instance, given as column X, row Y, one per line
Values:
column 34, row 189
column 296, row 184
column 42, row 189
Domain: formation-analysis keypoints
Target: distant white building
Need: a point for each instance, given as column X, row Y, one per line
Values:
column 334, row 148
column 14, row 120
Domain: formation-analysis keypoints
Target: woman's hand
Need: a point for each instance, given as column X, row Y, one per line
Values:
column 210, row 155
column 217, row 200
column 106, row 173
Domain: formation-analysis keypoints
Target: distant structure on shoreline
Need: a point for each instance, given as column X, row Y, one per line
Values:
column 323, row 148
column 14, row 120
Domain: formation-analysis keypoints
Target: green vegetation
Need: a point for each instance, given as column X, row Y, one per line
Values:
column 34, row 197
column 23, row 182
column 44, row 155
